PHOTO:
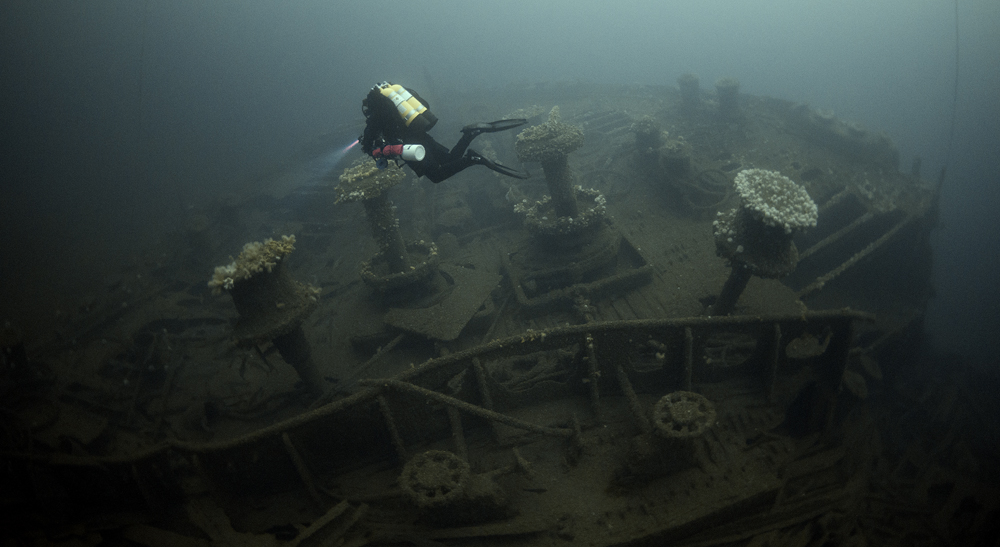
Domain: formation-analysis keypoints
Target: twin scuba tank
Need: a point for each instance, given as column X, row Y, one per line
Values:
column 413, row 113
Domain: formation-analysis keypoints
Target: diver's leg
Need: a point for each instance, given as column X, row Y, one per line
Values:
column 458, row 150
column 441, row 171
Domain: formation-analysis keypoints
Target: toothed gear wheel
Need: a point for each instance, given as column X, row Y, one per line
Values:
column 434, row 478
column 683, row 415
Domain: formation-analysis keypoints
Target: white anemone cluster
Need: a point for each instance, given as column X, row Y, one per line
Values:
column 364, row 180
column 538, row 221
column 255, row 258
column 776, row 199
column 725, row 226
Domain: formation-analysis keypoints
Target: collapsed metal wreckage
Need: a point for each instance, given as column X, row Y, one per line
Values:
column 568, row 372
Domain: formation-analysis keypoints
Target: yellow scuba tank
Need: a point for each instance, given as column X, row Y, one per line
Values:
column 413, row 112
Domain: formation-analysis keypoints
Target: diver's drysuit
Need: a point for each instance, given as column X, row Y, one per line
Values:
column 397, row 116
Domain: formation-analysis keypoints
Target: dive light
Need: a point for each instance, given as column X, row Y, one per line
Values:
column 409, row 152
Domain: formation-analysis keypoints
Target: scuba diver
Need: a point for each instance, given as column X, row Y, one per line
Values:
column 397, row 122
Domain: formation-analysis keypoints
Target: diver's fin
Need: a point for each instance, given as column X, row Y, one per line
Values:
column 504, row 170
column 478, row 159
column 492, row 127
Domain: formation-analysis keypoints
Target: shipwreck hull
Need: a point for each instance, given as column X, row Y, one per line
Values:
column 540, row 372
